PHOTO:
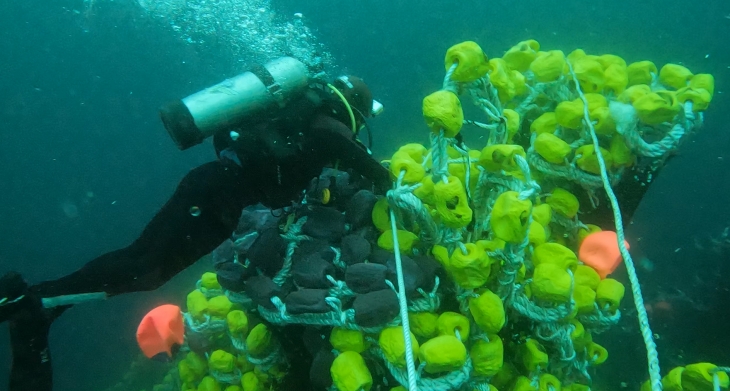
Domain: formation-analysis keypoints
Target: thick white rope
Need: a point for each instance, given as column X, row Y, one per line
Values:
column 410, row 364
column 439, row 157
column 652, row 356
column 448, row 84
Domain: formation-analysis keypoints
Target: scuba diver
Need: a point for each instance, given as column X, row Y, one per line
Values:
column 274, row 129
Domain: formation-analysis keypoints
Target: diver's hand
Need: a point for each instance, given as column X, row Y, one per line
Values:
column 14, row 295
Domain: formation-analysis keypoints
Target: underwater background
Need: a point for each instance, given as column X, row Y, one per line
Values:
column 85, row 161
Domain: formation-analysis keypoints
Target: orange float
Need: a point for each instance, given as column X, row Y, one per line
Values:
column 600, row 251
column 161, row 332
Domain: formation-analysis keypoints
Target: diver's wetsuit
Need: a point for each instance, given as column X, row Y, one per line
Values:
column 270, row 162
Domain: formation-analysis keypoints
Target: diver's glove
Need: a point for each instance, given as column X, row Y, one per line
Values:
column 14, row 296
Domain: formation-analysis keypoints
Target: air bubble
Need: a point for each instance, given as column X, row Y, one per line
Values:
column 248, row 28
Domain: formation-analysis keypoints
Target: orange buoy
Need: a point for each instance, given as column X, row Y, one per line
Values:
column 600, row 251
column 161, row 332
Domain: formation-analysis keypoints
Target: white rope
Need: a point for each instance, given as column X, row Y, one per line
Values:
column 531, row 187
column 283, row 274
column 529, row 309
column 450, row 85
column 410, row 364
column 660, row 148
column 208, row 292
column 652, row 356
column 453, row 380
column 207, row 327
column 466, row 159
column 227, row 377
column 439, row 157
column 568, row 172
column 405, row 201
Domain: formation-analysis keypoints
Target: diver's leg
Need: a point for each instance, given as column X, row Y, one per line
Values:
column 31, row 368
column 201, row 214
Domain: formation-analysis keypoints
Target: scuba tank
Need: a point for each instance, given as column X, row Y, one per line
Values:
column 227, row 104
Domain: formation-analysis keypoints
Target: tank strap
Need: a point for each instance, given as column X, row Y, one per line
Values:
column 272, row 86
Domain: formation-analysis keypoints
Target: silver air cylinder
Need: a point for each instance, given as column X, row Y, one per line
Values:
column 191, row 120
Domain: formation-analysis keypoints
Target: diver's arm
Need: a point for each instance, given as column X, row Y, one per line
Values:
column 335, row 139
column 201, row 214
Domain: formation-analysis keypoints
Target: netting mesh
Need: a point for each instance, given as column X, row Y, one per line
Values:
column 519, row 308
